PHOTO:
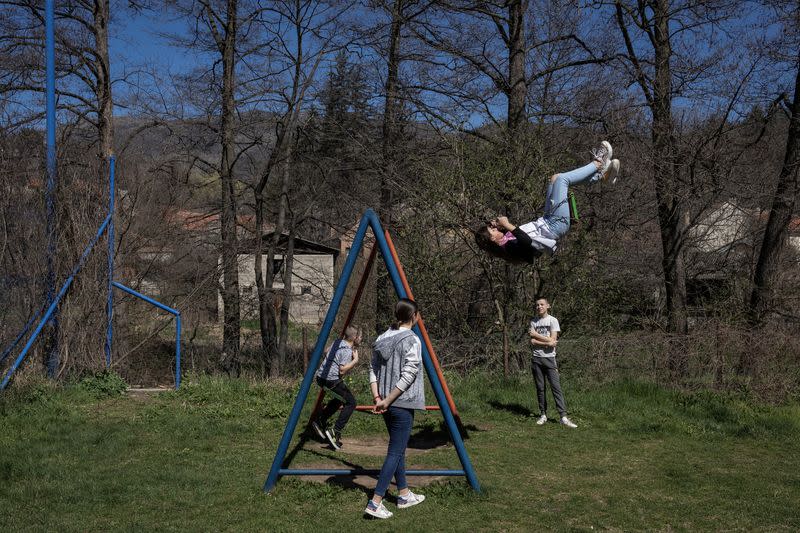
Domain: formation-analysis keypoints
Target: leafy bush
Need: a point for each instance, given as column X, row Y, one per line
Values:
column 103, row 384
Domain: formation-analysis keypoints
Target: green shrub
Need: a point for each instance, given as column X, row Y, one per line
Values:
column 103, row 384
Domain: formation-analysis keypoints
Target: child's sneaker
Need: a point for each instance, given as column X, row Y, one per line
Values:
column 610, row 171
column 542, row 420
column 319, row 429
column 378, row 511
column 604, row 153
column 567, row 422
column 334, row 438
column 409, row 500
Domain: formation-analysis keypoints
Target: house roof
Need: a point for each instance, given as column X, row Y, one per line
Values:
column 794, row 222
column 300, row 245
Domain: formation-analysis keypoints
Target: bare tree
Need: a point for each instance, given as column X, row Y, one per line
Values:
column 225, row 30
column 304, row 34
column 652, row 33
column 83, row 63
column 787, row 190
column 84, row 91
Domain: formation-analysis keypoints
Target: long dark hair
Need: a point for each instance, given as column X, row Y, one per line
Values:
column 484, row 241
column 404, row 312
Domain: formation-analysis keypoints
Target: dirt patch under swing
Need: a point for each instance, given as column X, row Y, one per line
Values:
column 418, row 446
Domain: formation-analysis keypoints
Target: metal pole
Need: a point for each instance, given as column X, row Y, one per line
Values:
column 327, row 325
column 52, row 237
column 177, row 351
column 426, row 358
column 168, row 309
column 51, row 309
column 361, row 472
column 110, row 296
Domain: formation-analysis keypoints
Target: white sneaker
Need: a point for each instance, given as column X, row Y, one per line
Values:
column 409, row 500
column 610, row 171
column 319, row 429
column 567, row 422
column 542, row 420
column 334, row 439
column 604, row 153
column 378, row 511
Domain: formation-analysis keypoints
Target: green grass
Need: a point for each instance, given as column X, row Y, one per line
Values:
column 295, row 331
column 85, row 458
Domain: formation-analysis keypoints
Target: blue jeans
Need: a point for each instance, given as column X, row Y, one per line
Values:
column 398, row 421
column 556, row 206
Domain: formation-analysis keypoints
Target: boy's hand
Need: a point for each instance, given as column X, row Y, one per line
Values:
column 355, row 355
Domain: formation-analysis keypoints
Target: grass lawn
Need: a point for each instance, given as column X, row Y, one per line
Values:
column 643, row 458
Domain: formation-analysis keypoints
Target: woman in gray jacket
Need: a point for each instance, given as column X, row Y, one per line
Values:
column 398, row 388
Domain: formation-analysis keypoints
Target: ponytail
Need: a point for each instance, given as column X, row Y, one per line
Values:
column 404, row 312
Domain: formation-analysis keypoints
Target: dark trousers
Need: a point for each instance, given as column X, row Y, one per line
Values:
column 546, row 367
column 340, row 396
column 399, row 421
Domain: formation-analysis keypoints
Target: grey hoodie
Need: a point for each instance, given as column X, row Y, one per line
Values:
column 397, row 362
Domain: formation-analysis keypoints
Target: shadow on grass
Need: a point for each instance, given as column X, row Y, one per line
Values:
column 301, row 443
column 429, row 437
column 513, row 408
column 349, row 481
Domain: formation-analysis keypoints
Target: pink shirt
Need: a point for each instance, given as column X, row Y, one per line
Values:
column 507, row 237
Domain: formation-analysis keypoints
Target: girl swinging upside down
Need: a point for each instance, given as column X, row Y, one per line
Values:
column 500, row 238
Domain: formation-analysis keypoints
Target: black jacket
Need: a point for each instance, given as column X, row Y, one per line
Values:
column 522, row 248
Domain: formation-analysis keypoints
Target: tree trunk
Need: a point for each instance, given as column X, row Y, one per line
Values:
column 230, row 291
column 264, row 325
column 384, row 300
column 506, row 366
column 780, row 215
column 268, row 319
column 517, row 86
column 288, row 259
column 280, row 158
column 665, row 175
column 105, row 102
column 509, row 301
column 654, row 18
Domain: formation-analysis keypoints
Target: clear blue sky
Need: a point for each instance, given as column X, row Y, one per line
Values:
column 134, row 41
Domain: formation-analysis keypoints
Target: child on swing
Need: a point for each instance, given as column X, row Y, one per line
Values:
column 500, row 238
column 342, row 357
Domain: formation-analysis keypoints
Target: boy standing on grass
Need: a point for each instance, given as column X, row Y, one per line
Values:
column 544, row 337
column 341, row 358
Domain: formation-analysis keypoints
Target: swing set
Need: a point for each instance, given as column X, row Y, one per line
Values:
column 383, row 241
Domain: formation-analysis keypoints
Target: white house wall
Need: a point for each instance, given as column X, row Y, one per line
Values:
column 312, row 287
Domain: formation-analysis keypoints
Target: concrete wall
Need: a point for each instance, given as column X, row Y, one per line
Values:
column 312, row 287
column 722, row 227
